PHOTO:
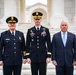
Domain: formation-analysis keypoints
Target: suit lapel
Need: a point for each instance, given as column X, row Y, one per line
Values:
column 9, row 33
column 37, row 32
column 42, row 29
column 34, row 30
column 16, row 35
column 61, row 38
column 68, row 36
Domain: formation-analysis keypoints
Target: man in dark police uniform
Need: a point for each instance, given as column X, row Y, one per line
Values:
column 38, row 46
column 12, row 48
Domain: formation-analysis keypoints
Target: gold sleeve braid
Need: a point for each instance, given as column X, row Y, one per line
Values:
column 24, row 53
column 49, row 53
column 27, row 54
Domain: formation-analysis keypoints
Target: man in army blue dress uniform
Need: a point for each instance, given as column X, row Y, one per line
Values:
column 12, row 48
column 38, row 46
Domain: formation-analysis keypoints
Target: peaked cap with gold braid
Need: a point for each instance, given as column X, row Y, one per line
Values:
column 11, row 19
column 37, row 15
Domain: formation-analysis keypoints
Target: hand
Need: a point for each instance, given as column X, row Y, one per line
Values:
column 1, row 63
column 28, row 60
column 24, row 61
column 48, row 60
column 74, row 63
column 54, row 62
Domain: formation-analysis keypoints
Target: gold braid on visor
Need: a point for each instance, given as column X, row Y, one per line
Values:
column 12, row 21
column 37, row 17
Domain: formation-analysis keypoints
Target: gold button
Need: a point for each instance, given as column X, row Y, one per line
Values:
column 37, row 36
column 13, row 39
column 15, row 52
column 37, row 46
column 37, row 40
column 14, row 47
column 14, row 43
column 37, row 43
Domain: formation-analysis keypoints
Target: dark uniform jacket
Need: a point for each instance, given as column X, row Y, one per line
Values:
column 64, row 55
column 11, row 48
column 38, row 44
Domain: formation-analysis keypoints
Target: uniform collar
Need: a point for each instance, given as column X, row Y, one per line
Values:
column 13, row 31
column 38, row 27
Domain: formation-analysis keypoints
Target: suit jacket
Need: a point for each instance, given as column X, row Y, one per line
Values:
column 38, row 44
column 64, row 55
column 11, row 48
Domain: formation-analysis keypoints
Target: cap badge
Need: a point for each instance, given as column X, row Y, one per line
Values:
column 37, row 13
column 12, row 18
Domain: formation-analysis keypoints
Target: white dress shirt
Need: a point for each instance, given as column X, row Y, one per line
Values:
column 13, row 31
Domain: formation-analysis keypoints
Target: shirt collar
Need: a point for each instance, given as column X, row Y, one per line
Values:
column 13, row 31
column 63, row 32
column 38, row 27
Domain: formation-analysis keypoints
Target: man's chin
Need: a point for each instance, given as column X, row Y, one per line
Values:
column 12, row 28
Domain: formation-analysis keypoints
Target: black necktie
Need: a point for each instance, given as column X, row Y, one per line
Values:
column 38, row 31
column 12, row 33
column 37, row 28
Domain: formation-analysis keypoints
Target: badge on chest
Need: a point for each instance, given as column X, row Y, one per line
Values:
column 20, row 38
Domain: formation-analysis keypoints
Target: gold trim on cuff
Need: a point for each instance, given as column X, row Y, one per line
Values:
column 27, row 54
column 24, row 53
column 49, row 53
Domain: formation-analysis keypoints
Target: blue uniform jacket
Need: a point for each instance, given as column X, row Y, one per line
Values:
column 11, row 48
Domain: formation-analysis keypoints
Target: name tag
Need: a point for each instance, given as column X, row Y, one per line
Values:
column 7, row 39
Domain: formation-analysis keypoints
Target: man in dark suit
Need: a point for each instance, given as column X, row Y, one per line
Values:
column 12, row 48
column 64, row 50
column 38, row 46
